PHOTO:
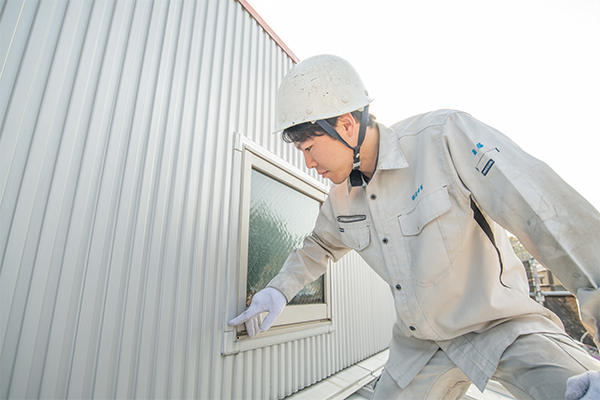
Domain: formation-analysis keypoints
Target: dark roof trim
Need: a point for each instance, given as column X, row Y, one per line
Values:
column 268, row 29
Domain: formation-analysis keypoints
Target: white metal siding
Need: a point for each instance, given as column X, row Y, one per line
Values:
column 116, row 142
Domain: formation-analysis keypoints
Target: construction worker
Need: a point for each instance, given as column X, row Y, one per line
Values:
column 425, row 203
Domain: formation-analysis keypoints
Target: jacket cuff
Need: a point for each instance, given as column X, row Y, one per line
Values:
column 286, row 284
column 589, row 309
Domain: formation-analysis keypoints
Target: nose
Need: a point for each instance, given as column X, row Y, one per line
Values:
column 310, row 162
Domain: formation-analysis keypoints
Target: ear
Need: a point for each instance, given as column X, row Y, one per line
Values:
column 347, row 126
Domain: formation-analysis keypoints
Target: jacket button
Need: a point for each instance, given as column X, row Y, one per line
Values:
column 373, row 197
column 398, row 287
column 385, row 240
column 412, row 328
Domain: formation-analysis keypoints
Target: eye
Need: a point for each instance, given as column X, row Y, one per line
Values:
column 308, row 148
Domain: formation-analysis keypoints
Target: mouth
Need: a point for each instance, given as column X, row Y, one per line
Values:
column 324, row 173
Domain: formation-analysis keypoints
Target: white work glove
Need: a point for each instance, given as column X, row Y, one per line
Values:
column 269, row 299
column 585, row 386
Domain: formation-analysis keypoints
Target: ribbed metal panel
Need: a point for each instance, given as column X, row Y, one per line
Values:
column 116, row 146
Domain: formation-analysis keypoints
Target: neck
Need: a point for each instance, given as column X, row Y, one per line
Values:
column 369, row 151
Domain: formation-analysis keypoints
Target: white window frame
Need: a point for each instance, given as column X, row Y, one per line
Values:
column 296, row 321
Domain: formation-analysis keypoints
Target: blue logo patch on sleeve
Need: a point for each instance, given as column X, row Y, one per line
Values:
column 487, row 167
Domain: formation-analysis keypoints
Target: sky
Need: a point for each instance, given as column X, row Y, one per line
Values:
column 529, row 68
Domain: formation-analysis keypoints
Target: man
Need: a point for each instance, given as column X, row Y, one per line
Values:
column 425, row 203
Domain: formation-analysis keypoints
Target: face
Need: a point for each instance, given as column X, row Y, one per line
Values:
column 330, row 157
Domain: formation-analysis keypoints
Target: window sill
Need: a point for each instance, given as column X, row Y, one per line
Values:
column 234, row 344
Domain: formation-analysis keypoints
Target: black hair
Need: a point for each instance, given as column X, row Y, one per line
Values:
column 300, row 133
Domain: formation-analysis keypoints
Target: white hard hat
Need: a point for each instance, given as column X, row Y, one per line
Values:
column 319, row 87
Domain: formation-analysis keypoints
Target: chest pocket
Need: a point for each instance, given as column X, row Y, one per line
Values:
column 429, row 231
column 354, row 230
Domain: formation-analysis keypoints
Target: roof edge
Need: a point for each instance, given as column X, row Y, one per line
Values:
column 269, row 30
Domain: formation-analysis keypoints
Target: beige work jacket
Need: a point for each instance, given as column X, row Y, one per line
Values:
column 413, row 224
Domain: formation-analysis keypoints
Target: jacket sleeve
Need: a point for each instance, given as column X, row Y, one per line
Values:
column 525, row 196
column 309, row 262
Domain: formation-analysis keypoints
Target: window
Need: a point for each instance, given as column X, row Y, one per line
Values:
column 278, row 208
column 280, row 218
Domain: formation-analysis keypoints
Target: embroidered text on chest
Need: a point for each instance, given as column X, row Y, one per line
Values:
column 419, row 190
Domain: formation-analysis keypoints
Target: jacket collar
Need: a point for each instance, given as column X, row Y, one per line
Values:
column 390, row 153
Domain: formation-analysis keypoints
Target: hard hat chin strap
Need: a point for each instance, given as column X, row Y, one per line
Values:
column 355, row 175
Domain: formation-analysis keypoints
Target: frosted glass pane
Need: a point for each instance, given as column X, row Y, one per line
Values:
column 280, row 219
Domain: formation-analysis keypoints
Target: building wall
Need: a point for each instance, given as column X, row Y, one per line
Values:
column 116, row 148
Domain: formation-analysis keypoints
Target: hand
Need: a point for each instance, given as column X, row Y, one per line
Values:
column 269, row 299
column 584, row 387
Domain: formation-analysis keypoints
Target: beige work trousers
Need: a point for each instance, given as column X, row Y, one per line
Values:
column 534, row 367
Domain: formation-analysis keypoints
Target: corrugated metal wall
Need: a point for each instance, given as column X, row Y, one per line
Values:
column 116, row 146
